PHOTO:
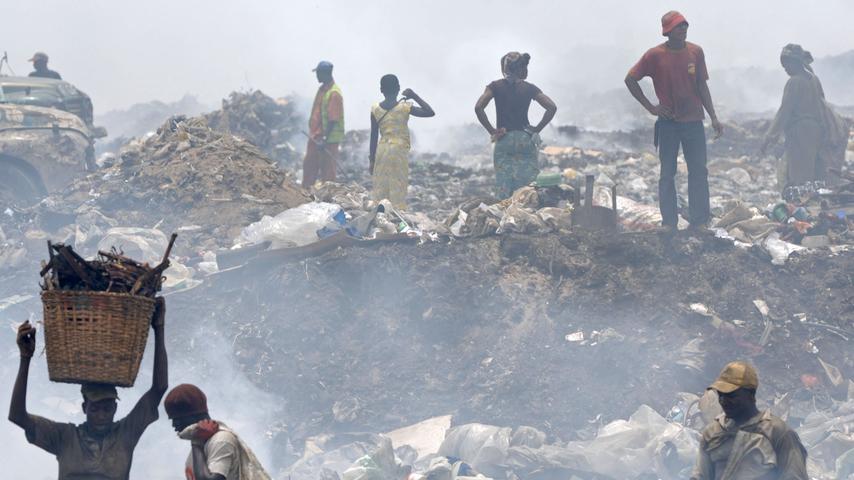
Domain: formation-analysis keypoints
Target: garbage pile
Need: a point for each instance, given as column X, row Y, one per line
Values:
column 188, row 178
column 272, row 125
column 646, row 445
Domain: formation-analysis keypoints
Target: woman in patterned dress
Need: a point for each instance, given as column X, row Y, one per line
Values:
column 389, row 154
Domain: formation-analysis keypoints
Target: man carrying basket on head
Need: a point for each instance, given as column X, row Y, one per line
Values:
column 99, row 448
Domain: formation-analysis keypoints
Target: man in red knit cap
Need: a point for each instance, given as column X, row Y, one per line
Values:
column 679, row 76
column 217, row 452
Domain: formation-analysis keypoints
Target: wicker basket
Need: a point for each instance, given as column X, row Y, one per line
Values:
column 95, row 337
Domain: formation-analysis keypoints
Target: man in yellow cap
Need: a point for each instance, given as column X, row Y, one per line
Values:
column 744, row 443
column 40, row 65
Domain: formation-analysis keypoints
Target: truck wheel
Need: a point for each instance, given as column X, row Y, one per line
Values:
column 18, row 186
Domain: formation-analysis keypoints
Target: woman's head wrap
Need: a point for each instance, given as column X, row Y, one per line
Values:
column 796, row 53
column 514, row 62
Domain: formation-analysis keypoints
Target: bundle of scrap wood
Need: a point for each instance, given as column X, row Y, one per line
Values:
column 109, row 272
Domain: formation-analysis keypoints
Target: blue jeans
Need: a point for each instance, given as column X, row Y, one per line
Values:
column 692, row 136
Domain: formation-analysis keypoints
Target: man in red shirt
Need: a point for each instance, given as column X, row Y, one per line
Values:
column 679, row 75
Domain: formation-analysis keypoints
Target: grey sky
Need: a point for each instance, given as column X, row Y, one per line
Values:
column 127, row 52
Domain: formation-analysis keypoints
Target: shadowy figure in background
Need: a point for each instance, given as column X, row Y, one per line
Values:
column 40, row 65
column 99, row 448
column 217, row 452
column 815, row 137
column 325, row 129
column 516, row 141
column 679, row 75
column 744, row 442
column 389, row 148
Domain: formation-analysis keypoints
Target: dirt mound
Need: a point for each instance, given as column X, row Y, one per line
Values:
column 480, row 328
column 190, row 175
column 273, row 125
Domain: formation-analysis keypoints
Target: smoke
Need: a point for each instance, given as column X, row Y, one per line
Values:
column 447, row 51
column 197, row 355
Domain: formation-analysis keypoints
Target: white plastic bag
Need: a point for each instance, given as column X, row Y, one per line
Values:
column 141, row 244
column 779, row 249
column 294, row 227
column 481, row 446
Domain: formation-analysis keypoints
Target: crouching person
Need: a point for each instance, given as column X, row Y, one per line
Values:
column 217, row 452
column 100, row 448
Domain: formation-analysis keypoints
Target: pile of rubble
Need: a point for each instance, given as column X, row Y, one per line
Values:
column 187, row 177
column 273, row 125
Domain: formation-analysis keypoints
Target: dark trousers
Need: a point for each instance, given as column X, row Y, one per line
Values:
column 692, row 137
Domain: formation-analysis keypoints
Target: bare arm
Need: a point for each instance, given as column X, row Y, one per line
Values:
column 480, row 111
column 375, row 135
column 549, row 114
column 200, row 464
column 160, row 380
column 706, row 98
column 637, row 92
column 423, row 110
column 18, row 414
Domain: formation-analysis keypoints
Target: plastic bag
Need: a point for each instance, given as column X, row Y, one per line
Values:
column 378, row 465
column 779, row 249
column 645, row 443
column 482, row 446
column 141, row 244
column 294, row 227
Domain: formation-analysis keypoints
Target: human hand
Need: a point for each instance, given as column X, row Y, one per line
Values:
column 26, row 340
column 205, row 429
column 662, row 111
column 718, row 127
column 408, row 93
column 158, row 320
column 498, row 134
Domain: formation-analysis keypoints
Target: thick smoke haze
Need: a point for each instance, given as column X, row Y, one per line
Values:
column 126, row 52
column 122, row 53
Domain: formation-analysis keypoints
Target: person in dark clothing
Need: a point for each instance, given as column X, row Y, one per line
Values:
column 40, row 64
column 679, row 75
column 516, row 141
column 99, row 448
column 744, row 442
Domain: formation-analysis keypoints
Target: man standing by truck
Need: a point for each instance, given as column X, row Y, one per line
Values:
column 99, row 448
column 40, row 65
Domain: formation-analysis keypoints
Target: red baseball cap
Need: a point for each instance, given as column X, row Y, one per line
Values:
column 671, row 20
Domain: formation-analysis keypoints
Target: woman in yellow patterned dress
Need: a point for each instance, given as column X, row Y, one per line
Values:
column 389, row 154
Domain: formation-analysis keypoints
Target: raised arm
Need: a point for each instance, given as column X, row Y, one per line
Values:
column 375, row 136
column 549, row 114
column 160, row 380
column 706, row 97
column 423, row 110
column 480, row 111
column 18, row 414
